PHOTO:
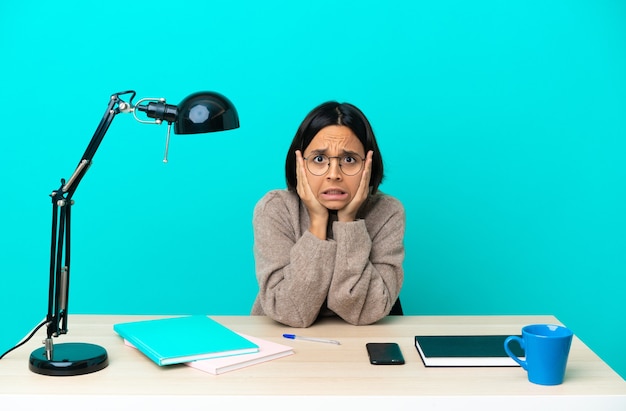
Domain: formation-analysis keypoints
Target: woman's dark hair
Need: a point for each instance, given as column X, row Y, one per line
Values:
column 334, row 114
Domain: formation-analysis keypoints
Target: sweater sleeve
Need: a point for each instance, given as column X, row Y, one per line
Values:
column 293, row 272
column 368, row 273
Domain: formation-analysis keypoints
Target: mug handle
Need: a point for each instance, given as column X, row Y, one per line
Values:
column 513, row 356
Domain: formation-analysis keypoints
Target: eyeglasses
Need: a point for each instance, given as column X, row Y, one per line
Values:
column 319, row 164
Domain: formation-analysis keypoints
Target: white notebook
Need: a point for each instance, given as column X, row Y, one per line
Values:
column 268, row 350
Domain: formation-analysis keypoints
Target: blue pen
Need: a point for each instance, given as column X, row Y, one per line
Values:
column 322, row 340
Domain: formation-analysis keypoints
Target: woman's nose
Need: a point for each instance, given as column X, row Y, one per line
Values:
column 334, row 170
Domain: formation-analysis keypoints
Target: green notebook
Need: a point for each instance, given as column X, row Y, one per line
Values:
column 466, row 351
column 183, row 339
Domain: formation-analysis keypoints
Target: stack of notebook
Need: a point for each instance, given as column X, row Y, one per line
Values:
column 198, row 341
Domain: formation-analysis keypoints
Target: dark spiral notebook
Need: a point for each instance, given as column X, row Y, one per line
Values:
column 466, row 351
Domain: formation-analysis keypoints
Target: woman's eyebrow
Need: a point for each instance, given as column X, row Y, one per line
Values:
column 344, row 152
column 319, row 151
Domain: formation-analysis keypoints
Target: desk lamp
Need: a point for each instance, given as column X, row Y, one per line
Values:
column 202, row 112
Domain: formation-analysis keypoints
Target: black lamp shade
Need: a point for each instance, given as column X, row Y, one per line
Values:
column 205, row 112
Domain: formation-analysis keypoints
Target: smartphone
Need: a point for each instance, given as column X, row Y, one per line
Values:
column 384, row 353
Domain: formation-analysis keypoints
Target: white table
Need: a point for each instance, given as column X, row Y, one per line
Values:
column 318, row 376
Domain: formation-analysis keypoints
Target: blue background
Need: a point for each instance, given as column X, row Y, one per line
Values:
column 502, row 124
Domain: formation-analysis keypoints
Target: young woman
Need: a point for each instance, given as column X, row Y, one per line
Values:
column 331, row 244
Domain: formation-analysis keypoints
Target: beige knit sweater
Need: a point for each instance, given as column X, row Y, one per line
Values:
column 356, row 273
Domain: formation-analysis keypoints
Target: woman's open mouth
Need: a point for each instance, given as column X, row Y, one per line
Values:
column 334, row 194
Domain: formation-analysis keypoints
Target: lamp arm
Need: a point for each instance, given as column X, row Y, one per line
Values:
column 116, row 106
column 58, row 293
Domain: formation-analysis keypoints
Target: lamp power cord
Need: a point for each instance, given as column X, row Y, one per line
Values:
column 25, row 340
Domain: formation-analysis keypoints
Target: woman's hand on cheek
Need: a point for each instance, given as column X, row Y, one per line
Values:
column 317, row 212
column 349, row 212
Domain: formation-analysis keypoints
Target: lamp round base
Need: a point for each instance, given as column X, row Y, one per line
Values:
column 69, row 359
